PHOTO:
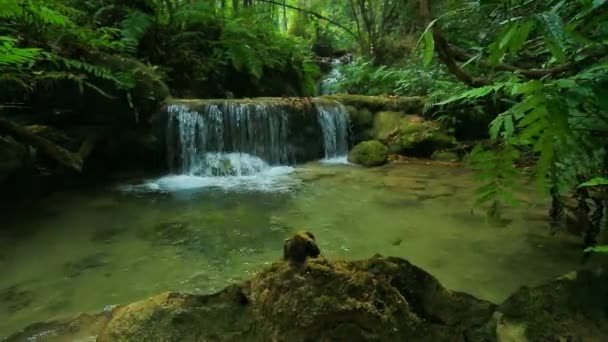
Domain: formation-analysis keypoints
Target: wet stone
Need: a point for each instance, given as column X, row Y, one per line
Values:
column 15, row 299
column 169, row 233
column 94, row 261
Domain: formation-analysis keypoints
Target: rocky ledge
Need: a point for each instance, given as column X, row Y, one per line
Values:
column 306, row 297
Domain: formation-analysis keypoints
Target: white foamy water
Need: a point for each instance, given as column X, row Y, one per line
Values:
column 272, row 179
column 339, row 160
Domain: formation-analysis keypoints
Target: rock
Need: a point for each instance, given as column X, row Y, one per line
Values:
column 380, row 299
column 385, row 123
column 376, row 299
column 76, row 268
column 80, row 328
column 571, row 308
column 419, row 138
column 445, row 156
column 361, row 121
column 412, row 104
column 15, row 298
column 369, row 153
column 360, row 117
column 299, row 247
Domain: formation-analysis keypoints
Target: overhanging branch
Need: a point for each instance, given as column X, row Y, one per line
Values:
column 450, row 55
column 314, row 14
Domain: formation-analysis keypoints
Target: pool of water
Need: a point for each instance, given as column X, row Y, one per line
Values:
column 81, row 251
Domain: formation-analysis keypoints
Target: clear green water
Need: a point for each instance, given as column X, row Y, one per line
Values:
column 81, row 251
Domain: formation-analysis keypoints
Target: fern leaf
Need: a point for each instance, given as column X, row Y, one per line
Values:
column 554, row 34
column 429, row 48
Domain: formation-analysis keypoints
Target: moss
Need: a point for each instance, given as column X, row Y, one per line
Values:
column 299, row 247
column 421, row 138
column 573, row 306
column 386, row 123
column 360, row 118
column 369, row 153
column 381, row 103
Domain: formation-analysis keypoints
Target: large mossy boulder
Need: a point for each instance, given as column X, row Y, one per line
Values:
column 418, row 137
column 571, row 308
column 369, row 153
column 309, row 298
column 386, row 123
column 306, row 297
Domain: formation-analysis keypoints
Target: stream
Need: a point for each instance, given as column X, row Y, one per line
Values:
column 84, row 250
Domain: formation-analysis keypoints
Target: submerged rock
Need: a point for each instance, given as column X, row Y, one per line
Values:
column 78, row 267
column 15, row 298
column 369, row 153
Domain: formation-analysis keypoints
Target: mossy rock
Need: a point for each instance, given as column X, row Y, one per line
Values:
column 381, row 103
column 362, row 118
column 571, row 308
column 362, row 122
column 386, row 123
column 378, row 299
column 421, row 138
column 369, row 153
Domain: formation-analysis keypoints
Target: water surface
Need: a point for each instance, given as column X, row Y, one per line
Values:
column 81, row 251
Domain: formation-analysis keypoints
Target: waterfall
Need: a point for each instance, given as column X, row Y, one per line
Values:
column 228, row 139
column 211, row 138
column 334, row 126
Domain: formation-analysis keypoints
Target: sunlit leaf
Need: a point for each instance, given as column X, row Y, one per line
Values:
column 594, row 182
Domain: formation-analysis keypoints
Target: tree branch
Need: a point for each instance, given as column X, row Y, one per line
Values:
column 445, row 52
column 46, row 147
column 450, row 55
column 535, row 73
column 314, row 14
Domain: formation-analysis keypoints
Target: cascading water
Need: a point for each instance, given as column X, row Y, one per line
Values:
column 241, row 144
column 334, row 125
column 229, row 139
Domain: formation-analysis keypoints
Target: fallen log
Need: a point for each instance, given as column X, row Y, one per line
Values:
column 46, row 147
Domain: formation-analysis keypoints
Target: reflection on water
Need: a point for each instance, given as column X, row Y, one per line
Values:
column 83, row 251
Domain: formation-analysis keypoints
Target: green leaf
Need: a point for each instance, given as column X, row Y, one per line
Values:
column 554, row 34
column 429, row 48
column 594, row 182
column 598, row 249
column 520, row 36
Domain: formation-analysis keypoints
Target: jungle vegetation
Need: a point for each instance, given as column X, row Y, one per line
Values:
column 536, row 69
